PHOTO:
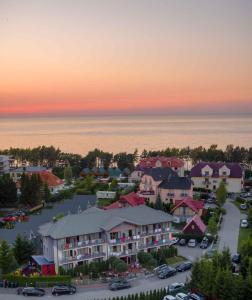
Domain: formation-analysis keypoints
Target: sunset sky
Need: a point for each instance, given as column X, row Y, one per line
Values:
column 61, row 57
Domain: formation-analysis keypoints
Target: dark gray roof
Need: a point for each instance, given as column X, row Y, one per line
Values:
column 176, row 183
column 96, row 220
column 160, row 174
column 29, row 169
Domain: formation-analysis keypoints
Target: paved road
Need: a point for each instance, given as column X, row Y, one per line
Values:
column 101, row 293
column 229, row 232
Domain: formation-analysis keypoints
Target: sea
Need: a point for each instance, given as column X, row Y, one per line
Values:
column 125, row 133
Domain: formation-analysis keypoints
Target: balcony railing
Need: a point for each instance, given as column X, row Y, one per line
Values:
column 124, row 253
column 82, row 244
column 82, row 257
column 154, row 244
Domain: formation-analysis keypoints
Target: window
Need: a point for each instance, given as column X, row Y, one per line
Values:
column 206, row 173
column 224, row 173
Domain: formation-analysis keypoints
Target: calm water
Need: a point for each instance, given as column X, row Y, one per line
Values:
column 125, row 133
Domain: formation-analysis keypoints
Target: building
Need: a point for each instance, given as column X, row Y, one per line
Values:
column 105, row 195
column 210, row 175
column 4, row 164
column 54, row 183
column 186, row 208
column 195, row 226
column 97, row 234
column 166, row 183
column 132, row 199
column 173, row 163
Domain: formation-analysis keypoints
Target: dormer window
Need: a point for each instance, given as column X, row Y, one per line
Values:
column 206, row 173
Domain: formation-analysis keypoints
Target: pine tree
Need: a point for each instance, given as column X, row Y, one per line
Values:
column 23, row 249
column 159, row 204
column 68, row 176
column 46, row 192
column 7, row 260
column 221, row 194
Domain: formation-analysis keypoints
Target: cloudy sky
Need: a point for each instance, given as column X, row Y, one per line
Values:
column 125, row 56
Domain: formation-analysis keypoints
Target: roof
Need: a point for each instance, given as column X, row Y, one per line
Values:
column 161, row 161
column 51, row 179
column 160, row 174
column 195, row 205
column 198, row 222
column 95, row 220
column 41, row 260
column 175, row 182
column 29, row 169
column 235, row 169
column 132, row 199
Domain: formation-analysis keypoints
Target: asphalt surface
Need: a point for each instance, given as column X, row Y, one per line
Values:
column 230, row 226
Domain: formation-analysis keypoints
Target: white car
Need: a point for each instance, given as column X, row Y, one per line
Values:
column 169, row 297
column 192, row 243
column 174, row 241
column 244, row 223
column 182, row 296
column 176, row 286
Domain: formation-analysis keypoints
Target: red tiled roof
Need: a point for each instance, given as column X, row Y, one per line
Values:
column 51, row 179
column 195, row 205
column 150, row 162
column 198, row 222
column 132, row 199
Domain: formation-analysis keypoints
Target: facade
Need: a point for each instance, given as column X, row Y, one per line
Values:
column 174, row 163
column 132, row 199
column 210, row 175
column 166, row 183
column 186, row 208
column 4, row 164
column 195, row 226
column 96, row 234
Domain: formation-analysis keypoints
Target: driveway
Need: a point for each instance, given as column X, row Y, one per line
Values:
column 229, row 231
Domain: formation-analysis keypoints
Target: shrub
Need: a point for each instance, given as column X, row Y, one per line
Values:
column 48, row 280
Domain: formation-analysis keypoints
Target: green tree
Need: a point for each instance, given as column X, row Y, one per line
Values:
column 159, row 204
column 7, row 259
column 212, row 226
column 121, row 267
column 46, row 192
column 221, row 194
column 68, row 176
column 8, row 191
column 23, row 249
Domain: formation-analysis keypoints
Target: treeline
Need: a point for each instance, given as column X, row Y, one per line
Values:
column 54, row 157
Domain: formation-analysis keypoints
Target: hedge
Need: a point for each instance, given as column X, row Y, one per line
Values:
column 47, row 280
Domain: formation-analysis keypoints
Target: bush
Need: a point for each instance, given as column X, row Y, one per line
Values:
column 48, row 280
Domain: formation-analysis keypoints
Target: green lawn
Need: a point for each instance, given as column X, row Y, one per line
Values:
column 243, row 235
column 175, row 260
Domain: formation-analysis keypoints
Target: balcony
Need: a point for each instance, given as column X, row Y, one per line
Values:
column 146, row 193
column 154, row 244
column 82, row 257
column 82, row 244
column 124, row 240
column 124, row 253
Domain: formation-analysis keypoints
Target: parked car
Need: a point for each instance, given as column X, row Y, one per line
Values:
column 169, row 297
column 196, row 296
column 175, row 287
column 174, row 241
column 182, row 242
column 9, row 219
column 167, row 273
column 31, row 291
column 2, row 222
column 210, row 253
column 204, row 243
column 192, row 243
column 182, row 296
column 244, row 223
column 159, row 268
column 243, row 206
column 236, row 258
column 119, row 285
column 184, row 266
column 210, row 200
column 64, row 289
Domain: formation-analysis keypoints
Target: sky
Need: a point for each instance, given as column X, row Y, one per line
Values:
column 77, row 57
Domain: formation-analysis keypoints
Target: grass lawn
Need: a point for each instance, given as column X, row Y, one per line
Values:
column 175, row 260
column 243, row 235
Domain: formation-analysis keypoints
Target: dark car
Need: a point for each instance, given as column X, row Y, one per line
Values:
column 236, row 258
column 204, row 243
column 31, row 291
column 182, row 242
column 63, row 289
column 184, row 266
column 119, row 285
column 167, row 273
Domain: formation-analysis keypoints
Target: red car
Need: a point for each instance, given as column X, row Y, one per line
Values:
column 10, row 219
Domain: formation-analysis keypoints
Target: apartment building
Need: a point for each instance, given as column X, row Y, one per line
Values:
column 96, row 234
column 4, row 164
column 209, row 175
